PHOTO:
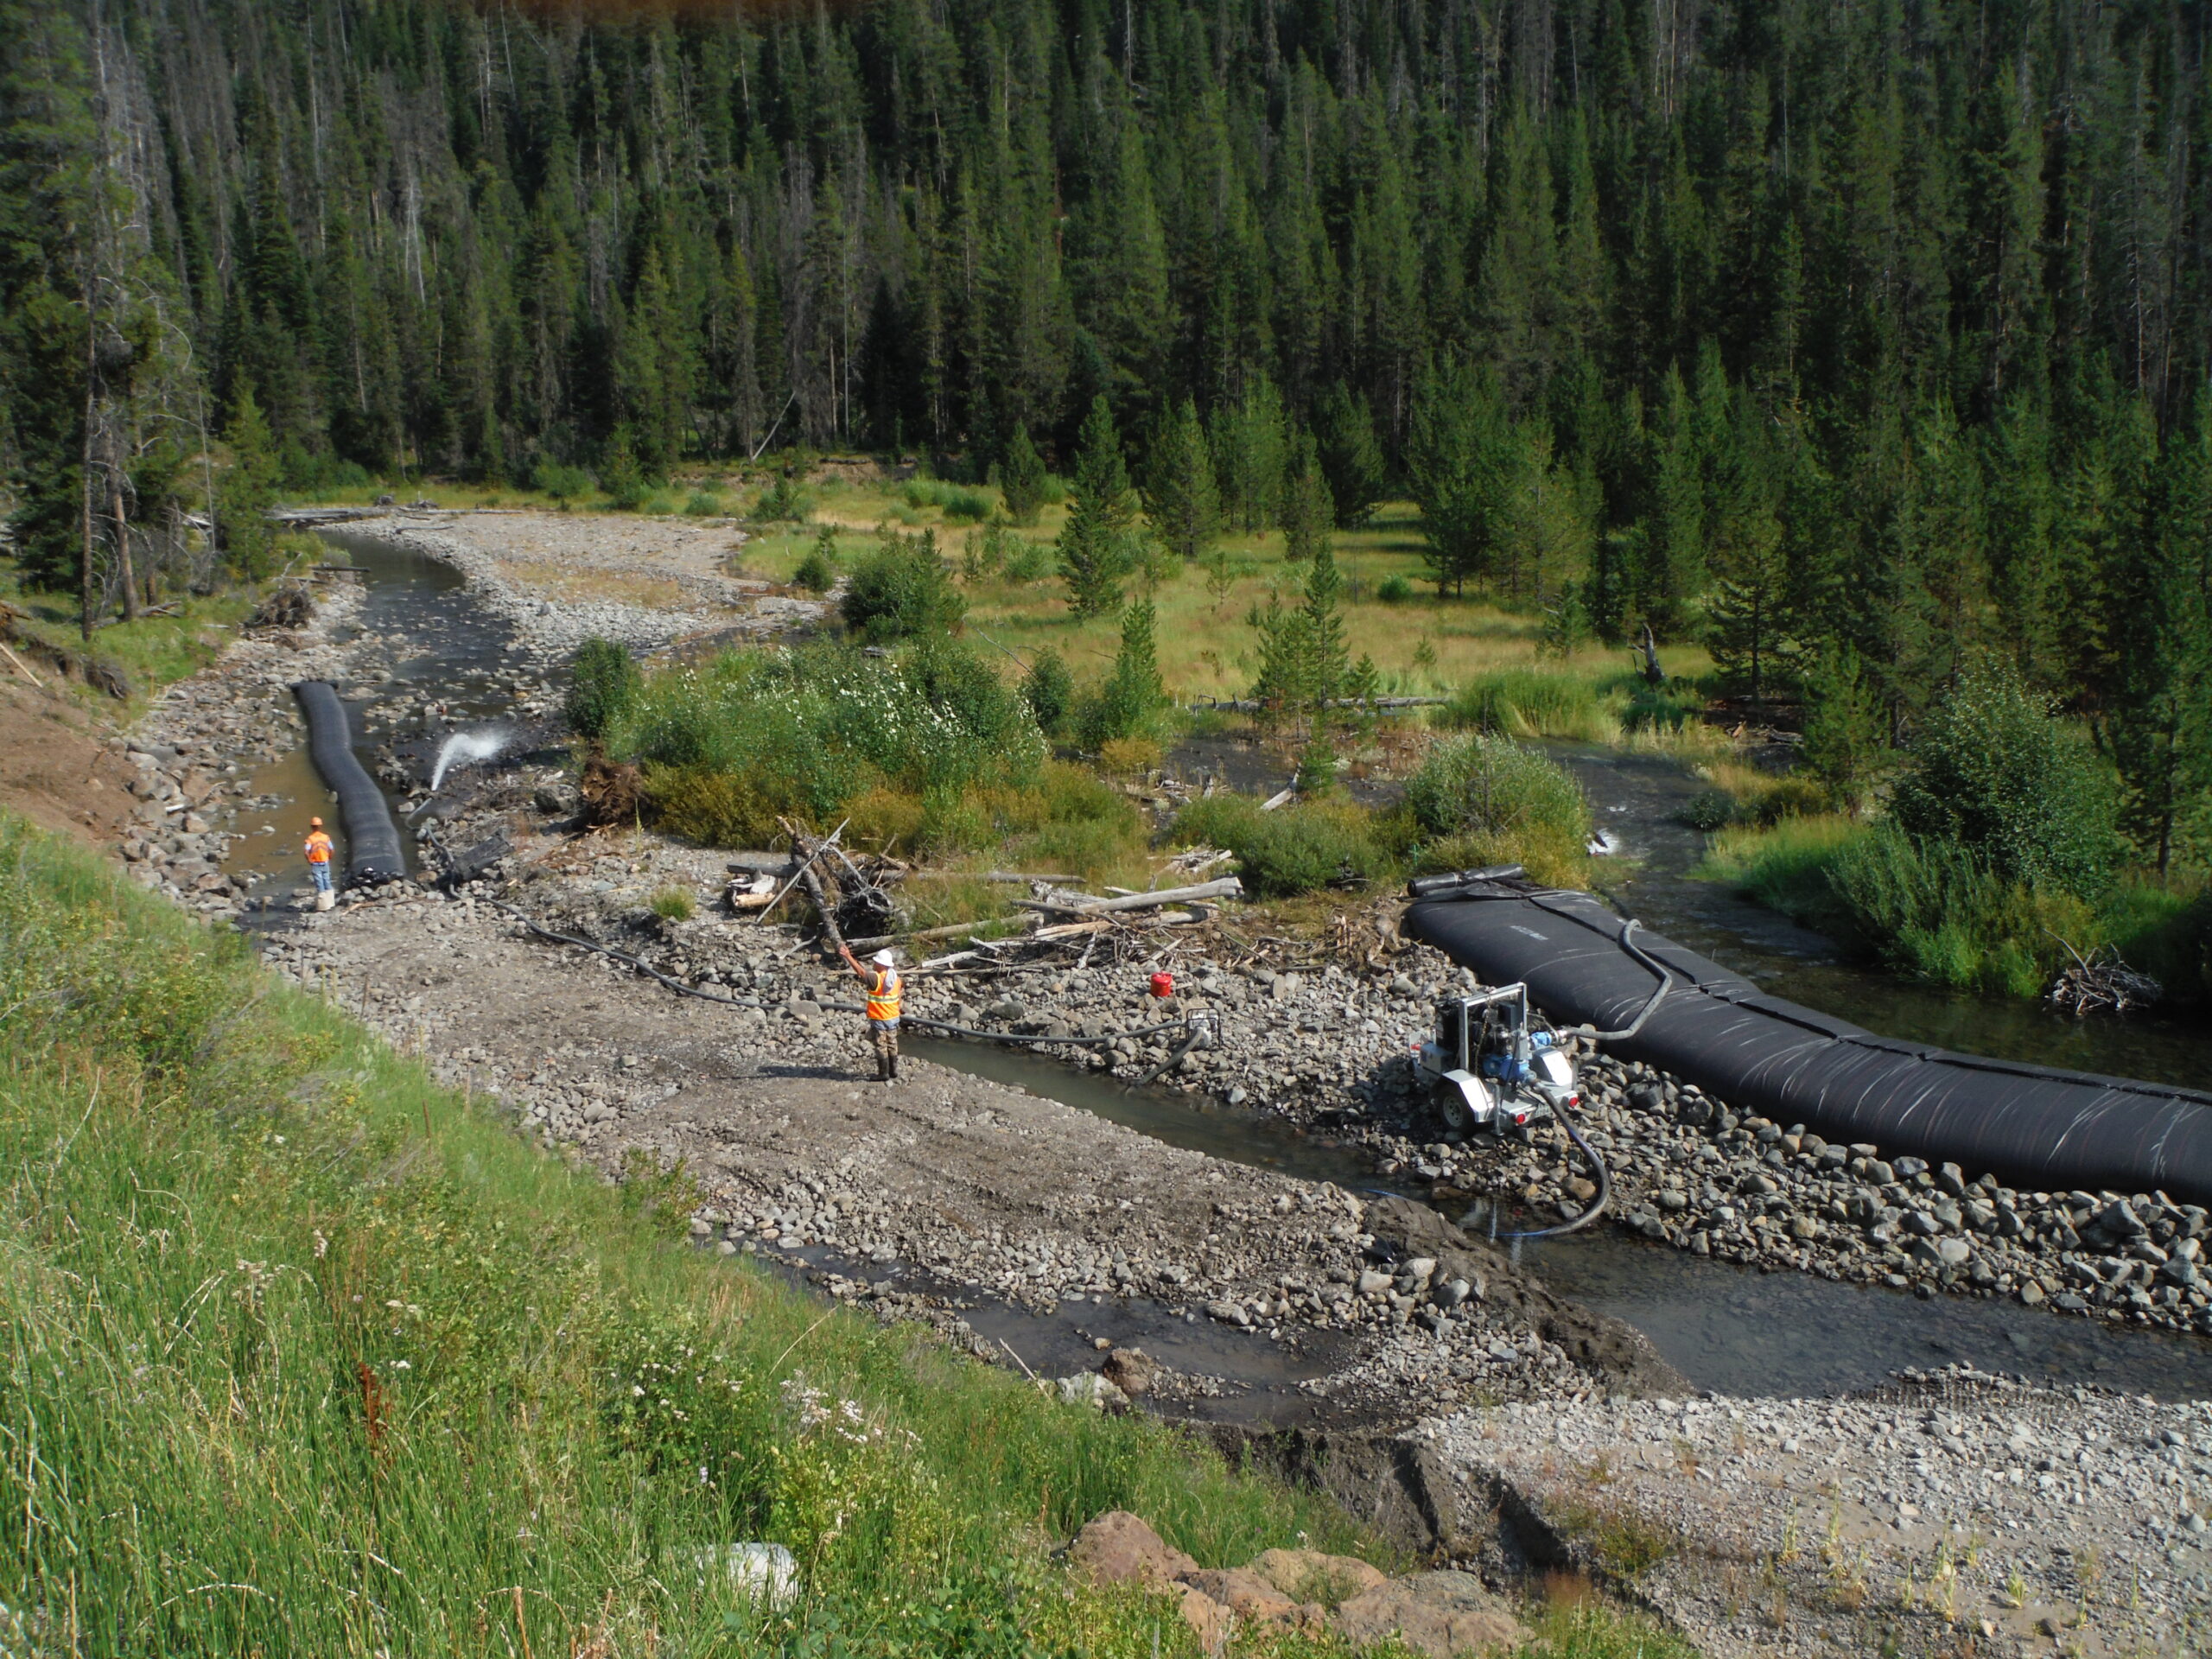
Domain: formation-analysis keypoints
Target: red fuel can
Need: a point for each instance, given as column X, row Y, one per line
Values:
column 1163, row 985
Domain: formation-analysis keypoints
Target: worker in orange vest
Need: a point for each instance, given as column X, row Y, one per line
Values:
column 884, row 989
column 318, row 851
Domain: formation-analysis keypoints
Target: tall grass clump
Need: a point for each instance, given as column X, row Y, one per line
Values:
column 301, row 1355
column 1482, row 799
column 961, row 506
column 1785, row 867
column 1527, row 702
column 728, row 747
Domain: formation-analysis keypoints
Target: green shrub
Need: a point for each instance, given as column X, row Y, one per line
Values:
column 603, row 684
column 564, row 484
column 702, row 504
column 673, row 904
column 783, row 501
column 902, row 590
column 1522, row 807
column 1709, row 810
column 659, row 505
column 1527, row 702
column 815, row 573
column 1049, row 689
column 1394, row 590
column 1993, row 771
column 1295, row 850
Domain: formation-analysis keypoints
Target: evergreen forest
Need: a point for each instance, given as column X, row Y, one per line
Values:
column 1849, row 340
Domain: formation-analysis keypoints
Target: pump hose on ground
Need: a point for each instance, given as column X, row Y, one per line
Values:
column 1605, row 1188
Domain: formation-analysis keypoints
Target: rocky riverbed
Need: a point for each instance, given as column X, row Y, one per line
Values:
column 1954, row 1513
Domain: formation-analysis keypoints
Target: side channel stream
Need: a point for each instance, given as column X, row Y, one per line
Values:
column 1727, row 1328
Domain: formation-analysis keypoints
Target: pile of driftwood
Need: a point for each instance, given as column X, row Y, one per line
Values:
column 2101, row 981
column 853, row 897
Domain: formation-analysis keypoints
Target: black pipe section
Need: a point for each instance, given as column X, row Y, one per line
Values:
column 372, row 850
column 2037, row 1126
column 1605, row 1187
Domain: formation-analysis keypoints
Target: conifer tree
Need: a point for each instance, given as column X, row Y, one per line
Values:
column 1307, row 509
column 1133, row 695
column 1462, row 460
column 1328, row 650
column 248, row 490
column 1844, row 727
column 1352, row 459
column 1021, row 478
column 1181, row 501
column 2160, row 609
column 1098, row 544
column 1249, row 441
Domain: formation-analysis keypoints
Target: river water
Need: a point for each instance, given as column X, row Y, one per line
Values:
column 448, row 653
column 1725, row 1327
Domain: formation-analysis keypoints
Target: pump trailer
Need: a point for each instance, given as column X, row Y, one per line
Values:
column 1495, row 1065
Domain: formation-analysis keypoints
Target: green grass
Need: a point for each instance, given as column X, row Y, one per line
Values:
column 301, row 1354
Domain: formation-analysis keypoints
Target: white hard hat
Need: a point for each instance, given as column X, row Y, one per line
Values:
column 881, row 959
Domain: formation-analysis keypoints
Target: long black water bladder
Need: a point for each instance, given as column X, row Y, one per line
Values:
column 373, row 849
column 2040, row 1126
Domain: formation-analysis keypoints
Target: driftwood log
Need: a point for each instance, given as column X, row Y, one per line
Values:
column 1227, row 888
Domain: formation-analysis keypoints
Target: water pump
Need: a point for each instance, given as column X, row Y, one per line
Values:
column 1495, row 1065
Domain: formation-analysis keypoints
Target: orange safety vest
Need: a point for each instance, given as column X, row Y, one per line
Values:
column 883, row 995
column 318, row 848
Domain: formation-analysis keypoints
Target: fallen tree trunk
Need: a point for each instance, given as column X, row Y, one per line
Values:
column 1227, row 888
column 1253, row 706
column 951, row 933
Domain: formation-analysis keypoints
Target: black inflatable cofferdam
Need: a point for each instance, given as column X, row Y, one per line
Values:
column 2036, row 1126
column 372, row 850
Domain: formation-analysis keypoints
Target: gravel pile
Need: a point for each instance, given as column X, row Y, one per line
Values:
column 1956, row 1509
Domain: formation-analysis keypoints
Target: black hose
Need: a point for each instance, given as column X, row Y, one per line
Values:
column 1659, row 995
column 1605, row 1187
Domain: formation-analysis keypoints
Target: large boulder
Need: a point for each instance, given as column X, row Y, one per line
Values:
column 1118, row 1547
column 1310, row 1575
column 1247, row 1595
column 1442, row 1614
